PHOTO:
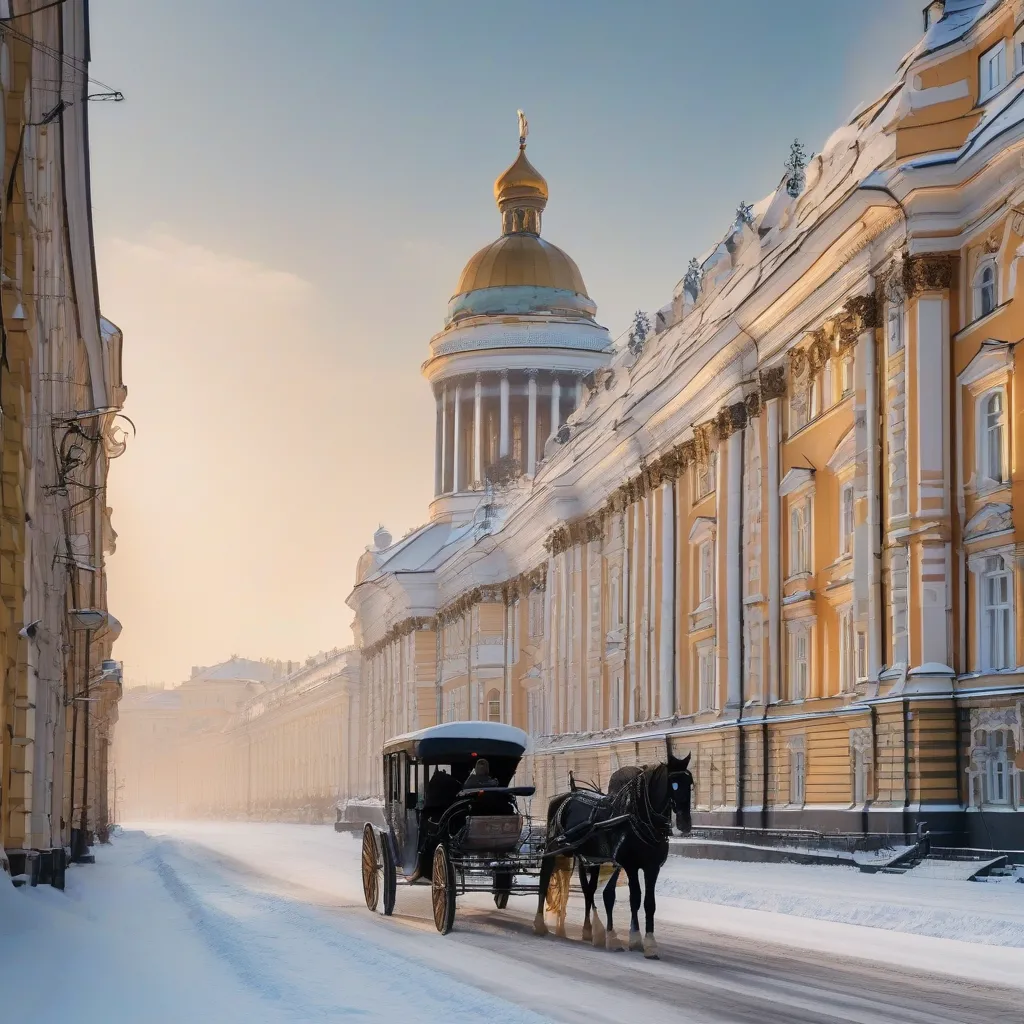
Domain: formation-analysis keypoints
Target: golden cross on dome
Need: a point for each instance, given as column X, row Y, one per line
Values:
column 524, row 129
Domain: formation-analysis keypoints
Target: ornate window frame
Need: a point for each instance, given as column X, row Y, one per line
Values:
column 798, row 487
column 986, row 373
column 985, row 283
column 980, row 567
column 702, row 538
column 800, row 632
column 985, row 723
column 992, row 71
column 861, row 767
column 706, row 674
column 985, row 474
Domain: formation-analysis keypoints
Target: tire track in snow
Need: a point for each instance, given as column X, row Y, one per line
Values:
column 418, row 992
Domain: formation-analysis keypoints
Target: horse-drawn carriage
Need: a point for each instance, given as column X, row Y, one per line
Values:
column 446, row 826
column 460, row 839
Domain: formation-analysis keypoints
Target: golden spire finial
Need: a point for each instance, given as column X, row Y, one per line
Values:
column 524, row 129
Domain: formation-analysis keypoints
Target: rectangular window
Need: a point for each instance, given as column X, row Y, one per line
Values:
column 614, row 611
column 494, row 711
column 895, row 330
column 861, row 767
column 997, row 613
column 847, row 376
column 862, row 656
column 799, row 664
column 846, row 525
column 705, row 477
column 536, row 613
column 707, row 572
column 846, row 651
column 994, row 439
column 800, row 538
column 992, row 71
column 997, row 769
column 797, row 777
column 706, row 676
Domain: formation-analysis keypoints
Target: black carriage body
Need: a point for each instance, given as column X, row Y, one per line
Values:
column 474, row 840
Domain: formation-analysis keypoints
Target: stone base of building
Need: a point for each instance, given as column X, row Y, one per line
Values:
column 39, row 867
column 948, row 827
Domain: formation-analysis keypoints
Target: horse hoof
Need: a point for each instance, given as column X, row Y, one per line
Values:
column 599, row 935
column 613, row 943
column 636, row 944
column 588, row 933
column 539, row 927
column 560, row 931
column 650, row 948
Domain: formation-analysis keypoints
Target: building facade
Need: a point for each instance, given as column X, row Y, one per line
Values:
column 784, row 525
column 242, row 740
column 60, row 395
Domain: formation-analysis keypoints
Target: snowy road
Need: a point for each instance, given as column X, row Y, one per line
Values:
column 267, row 924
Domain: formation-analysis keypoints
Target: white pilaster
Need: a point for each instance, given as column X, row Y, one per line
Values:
column 531, row 424
column 457, row 481
column 635, row 626
column 774, row 555
column 733, row 555
column 478, row 432
column 439, row 446
column 666, row 650
column 504, row 434
column 556, row 403
column 444, row 438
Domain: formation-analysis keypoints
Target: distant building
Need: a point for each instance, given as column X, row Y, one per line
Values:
column 243, row 739
column 784, row 524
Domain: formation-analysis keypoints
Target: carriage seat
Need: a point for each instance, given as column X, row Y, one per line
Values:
column 492, row 833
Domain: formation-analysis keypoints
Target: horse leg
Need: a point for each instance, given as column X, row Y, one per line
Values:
column 635, row 899
column 650, row 881
column 612, row 941
column 547, row 865
column 599, row 877
column 586, row 874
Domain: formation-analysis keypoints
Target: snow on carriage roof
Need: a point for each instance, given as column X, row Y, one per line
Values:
column 454, row 732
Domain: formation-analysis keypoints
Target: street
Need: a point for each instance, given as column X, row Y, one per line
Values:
column 209, row 929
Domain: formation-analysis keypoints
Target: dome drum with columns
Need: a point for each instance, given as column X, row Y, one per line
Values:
column 519, row 337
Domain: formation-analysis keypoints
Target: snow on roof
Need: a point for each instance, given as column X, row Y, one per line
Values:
column 959, row 18
column 484, row 731
column 241, row 669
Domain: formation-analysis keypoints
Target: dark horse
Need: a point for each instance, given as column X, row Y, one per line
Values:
column 628, row 828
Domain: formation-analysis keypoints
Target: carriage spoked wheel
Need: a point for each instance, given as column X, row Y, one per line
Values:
column 442, row 890
column 389, row 872
column 371, row 867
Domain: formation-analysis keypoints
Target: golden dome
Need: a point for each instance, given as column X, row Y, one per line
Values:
column 521, row 259
column 521, row 181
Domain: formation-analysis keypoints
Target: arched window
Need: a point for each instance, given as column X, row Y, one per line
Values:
column 993, row 436
column 985, row 291
column 494, row 706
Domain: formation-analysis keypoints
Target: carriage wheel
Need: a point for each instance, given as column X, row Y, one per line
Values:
column 442, row 890
column 371, row 887
column 390, row 880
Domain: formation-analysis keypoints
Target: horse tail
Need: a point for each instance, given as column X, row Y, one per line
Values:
column 558, row 887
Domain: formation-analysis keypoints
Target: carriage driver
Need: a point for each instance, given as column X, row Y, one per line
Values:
column 480, row 776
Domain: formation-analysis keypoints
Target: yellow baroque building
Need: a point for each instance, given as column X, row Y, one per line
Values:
column 786, row 526
column 61, row 392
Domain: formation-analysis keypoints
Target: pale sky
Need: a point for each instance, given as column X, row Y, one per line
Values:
column 284, row 202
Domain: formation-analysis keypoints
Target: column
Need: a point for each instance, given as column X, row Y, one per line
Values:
column 734, row 554
column 866, row 561
column 579, row 392
column 439, row 447
column 457, row 481
column 531, row 423
column 666, row 649
column 556, row 404
column 504, row 434
column 774, row 555
column 444, row 438
column 635, row 653
column 478, row 432
column 930, row 567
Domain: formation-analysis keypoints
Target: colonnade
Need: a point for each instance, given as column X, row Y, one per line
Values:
column 490, row 416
